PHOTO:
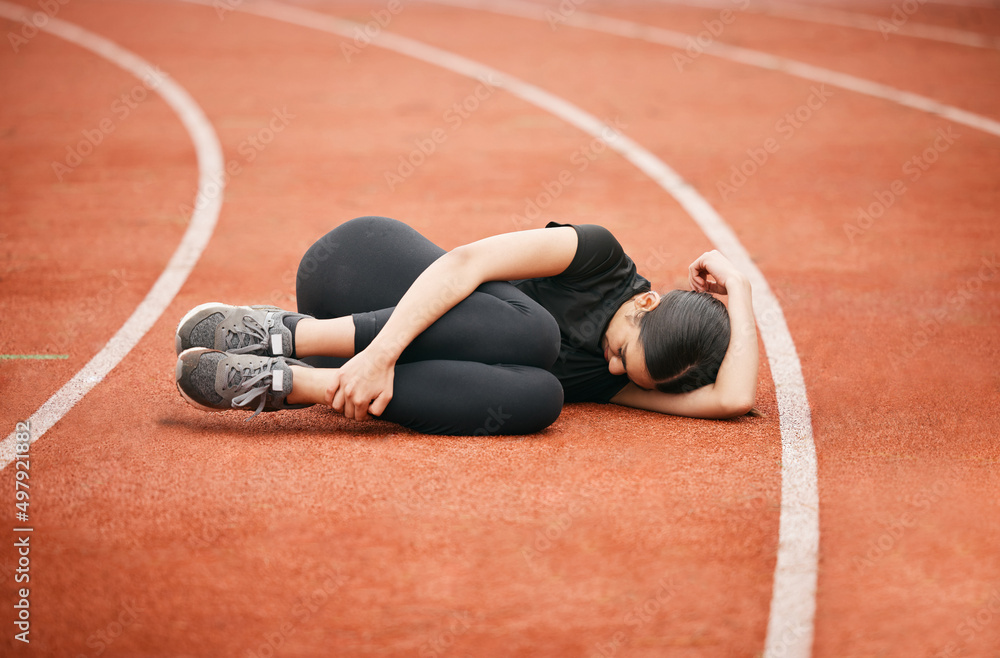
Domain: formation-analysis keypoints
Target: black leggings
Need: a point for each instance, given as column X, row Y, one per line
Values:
column 482, row 368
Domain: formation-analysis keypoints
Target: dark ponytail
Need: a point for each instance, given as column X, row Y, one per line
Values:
column 685, row 339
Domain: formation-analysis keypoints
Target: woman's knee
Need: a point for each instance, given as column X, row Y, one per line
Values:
column 534, row 406
column 332, row 246
column 339, row 252
column 362, row 233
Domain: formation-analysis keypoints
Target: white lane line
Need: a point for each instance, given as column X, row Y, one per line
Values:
column 793, row 600
column 790, row 628
column 884, row 25
column 680, row 41
column 199, row 231
column 978, row 4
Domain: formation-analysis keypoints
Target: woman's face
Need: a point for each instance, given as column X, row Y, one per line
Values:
column 622, row 349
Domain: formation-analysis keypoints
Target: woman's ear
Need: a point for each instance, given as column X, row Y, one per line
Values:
column 647, row 301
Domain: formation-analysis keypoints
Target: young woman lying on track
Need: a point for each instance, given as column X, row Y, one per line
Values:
column 489, row 338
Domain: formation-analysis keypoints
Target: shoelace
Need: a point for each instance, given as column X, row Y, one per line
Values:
column 250, row 384
column 255, row 333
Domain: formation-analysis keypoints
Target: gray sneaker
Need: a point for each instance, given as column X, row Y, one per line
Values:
column 217, row 381
column 236, row 329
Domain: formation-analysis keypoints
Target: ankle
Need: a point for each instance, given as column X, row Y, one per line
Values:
column 306, row 386
column 291, row 321
column 332, row 337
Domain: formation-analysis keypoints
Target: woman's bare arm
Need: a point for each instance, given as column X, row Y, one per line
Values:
column 365, row 382
column 735, row 388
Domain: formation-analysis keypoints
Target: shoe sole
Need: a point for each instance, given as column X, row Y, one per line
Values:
column 192, row 317
column 179, row 372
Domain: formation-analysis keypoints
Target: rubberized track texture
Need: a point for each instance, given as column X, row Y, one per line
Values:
column 157, row 154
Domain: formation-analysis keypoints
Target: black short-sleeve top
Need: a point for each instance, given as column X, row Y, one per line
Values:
column 583, row 299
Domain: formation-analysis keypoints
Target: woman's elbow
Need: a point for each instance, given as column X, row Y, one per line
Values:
column 735, row 407
column 459, row 267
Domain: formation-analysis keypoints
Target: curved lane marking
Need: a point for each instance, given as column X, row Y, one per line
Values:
column 207, row 205
column 885, row 25
column 738, row 54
